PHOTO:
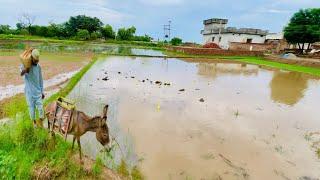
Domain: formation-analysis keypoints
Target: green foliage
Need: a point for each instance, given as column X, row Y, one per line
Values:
column 5, row 29
column 304, row 27
column 123, row 169
column 145, row 38
column 136, row 174
column 83, row 34
column 97, row 167
column 94, row 36
column 107, row 32
column 176, row 41
column 126, row 34
column 76, row 23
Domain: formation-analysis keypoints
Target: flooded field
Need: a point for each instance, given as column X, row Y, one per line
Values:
column 205, row 119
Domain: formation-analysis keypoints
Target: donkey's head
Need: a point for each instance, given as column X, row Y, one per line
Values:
column 102, row 133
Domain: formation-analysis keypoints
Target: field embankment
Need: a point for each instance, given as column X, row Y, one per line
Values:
column 29, row 153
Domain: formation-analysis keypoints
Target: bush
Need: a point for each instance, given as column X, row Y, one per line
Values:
column 107, row 32
column 176, row 41
column 83, row 34
column 94, row 36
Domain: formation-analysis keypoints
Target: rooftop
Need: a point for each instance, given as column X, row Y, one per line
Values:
column 215, row 21
column 235, row 31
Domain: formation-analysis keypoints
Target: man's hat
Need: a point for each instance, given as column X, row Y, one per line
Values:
column 35, row 54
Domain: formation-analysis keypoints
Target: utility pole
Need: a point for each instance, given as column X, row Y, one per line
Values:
column 167, row 28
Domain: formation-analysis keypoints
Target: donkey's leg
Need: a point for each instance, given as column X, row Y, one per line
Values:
column 79, row 144
column 74, row 139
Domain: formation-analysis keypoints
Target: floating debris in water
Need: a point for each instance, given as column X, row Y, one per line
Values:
column 90, row 84
column 237, row 113
column 181, row 90
column 158, row 82
column 201, row 100
column 132, row 77
column 167, row 84
column 106, row 78
column 143, row 80
column 105, row 73
column 119, row 72
column 197, row 89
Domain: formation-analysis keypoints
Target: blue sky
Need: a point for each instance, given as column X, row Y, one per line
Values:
column 150, row 15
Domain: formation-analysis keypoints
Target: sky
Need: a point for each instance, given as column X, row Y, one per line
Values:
column 149, row 16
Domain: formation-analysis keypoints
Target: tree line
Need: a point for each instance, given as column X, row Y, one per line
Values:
column 79, row 27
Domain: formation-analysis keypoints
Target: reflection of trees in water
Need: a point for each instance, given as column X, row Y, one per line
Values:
column 288, row 87
column 214, row 69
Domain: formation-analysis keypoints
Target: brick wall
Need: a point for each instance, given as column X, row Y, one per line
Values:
column 212, row 51
column 253, row 46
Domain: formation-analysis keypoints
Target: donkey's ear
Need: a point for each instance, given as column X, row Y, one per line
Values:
column 105, row 111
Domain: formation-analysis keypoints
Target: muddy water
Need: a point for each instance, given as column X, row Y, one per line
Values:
column 253, row 124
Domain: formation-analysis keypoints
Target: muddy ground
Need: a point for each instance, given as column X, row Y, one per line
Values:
column 52, row 64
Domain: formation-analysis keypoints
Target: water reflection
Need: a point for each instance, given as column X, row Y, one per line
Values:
column 288, row 87
column 213, row 70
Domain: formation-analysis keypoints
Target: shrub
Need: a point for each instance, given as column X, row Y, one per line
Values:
column 176, row 41
column 83, row 34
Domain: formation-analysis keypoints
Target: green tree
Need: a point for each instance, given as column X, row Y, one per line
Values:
column 176, row 41
column 83, row 34
column 91, row 24
column 145, row 38
column 304, row 27
column 57, row 30
column 5, row 29
column 107, row 32
column 126, row 34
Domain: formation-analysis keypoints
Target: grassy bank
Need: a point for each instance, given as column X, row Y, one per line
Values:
column 256, row 60
column 26, row 150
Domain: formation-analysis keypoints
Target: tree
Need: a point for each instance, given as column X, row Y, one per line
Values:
column 26, row 21
column 126, row 34
column 107, row 32
column 83, row 34
column 5, row 29
column 304, row 27
column 176, row 41
column 145, row 38
column 82, row 22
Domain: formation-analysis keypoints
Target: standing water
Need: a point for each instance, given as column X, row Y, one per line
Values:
column 204, row 119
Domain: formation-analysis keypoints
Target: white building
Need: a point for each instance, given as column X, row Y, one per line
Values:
column 215, row 30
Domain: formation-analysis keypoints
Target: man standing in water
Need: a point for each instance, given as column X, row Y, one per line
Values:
column 34, row 88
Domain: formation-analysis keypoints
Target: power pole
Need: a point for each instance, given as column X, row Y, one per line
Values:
column 167, row 28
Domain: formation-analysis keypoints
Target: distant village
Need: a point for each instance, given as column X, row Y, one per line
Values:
column 248, row 39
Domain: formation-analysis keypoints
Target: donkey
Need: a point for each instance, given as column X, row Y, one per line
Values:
column 80, row 123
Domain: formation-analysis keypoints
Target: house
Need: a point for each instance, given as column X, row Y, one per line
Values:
column 215, row 30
